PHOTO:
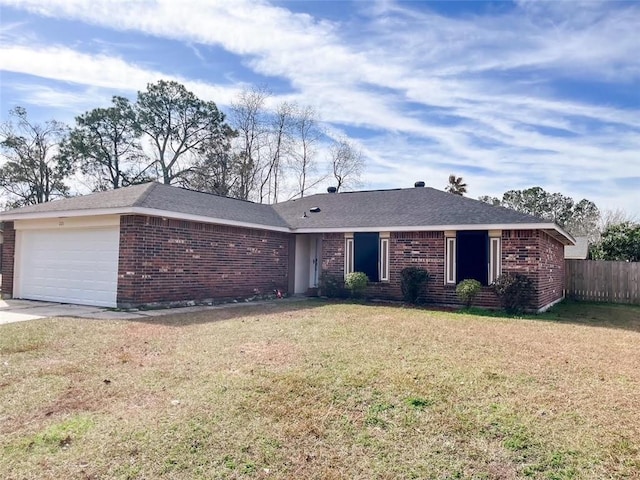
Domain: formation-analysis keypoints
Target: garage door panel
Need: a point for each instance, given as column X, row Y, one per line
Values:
column 70, row 266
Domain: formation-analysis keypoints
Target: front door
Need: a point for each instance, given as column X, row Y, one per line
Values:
column 308, row 262
column 315, row 259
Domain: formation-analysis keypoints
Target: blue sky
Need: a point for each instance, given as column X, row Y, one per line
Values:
column 505, row 94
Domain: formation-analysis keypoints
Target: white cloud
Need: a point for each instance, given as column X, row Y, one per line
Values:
column 65, row 64
column 494, row 74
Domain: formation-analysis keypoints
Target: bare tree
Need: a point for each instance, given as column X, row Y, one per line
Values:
column 346, row 163
column 32, row 172
column 614, row 217
column 279, row 143
column 607, row 220
column 247, row 117
column 303, row 156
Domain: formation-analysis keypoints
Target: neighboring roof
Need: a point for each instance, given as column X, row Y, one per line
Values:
column 420, row 208
column 579, row 251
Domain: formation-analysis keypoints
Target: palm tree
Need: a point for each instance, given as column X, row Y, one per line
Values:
column 456, row 185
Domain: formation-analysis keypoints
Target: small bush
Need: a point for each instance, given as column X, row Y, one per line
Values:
column 332, row 286
column 467, row 291
column 356, row 283
column 412, row 281
column 514, row 290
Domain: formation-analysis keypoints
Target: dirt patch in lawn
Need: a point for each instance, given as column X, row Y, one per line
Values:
column 274, row 354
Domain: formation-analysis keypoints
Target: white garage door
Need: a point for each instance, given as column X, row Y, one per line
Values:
column 69, row 266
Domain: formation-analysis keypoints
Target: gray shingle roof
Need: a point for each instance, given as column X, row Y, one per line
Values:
column 158, row 196
column 120, row 198
column 164, row 197
column 395, row 208
column 410, row 207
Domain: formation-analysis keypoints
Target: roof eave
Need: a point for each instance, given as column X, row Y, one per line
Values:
column 9, row 216
column 550, row 228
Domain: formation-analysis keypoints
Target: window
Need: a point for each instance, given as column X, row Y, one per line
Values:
column 368, row 252
column 450, row 274
column 348, row 255
column 472, row 254
column 384, row 259
column 495, row 255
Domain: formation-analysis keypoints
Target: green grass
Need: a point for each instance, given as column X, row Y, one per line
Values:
column 324, row 390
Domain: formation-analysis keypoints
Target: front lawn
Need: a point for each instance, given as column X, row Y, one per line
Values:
column 324, row 390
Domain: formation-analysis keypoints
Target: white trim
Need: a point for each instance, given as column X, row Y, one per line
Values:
column 145, row 211
column 348, row 255
column 66, row 223
column 495, row 257
column 203, row 219
column 441, row 228
column 433, row 228
column 450, row 261
column 383, row 274
column 17, row 261
column 550, row 304
column 8, row 216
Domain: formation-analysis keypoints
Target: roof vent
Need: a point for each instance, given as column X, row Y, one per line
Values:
column 314, row 209
column 332, row 189
column 419, row 184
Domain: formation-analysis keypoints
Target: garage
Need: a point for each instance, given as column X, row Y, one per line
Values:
column 67, row 265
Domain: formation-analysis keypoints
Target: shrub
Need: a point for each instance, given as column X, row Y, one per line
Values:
column 467, row 290
column 356, row 283
column 332, row 286
column 412, row 281
column 514, row 290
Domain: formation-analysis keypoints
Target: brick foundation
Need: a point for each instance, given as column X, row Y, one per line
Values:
column 165, row 261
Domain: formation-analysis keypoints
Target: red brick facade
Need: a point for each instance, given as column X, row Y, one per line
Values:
column 531, row 252
column 164, row 260
column 551, row 271
column 8, row 254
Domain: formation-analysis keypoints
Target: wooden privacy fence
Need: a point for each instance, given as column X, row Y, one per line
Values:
column 603, row 281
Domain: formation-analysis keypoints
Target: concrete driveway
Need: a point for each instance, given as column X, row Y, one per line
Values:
column 21, row 310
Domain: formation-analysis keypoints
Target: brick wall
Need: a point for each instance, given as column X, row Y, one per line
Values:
column 551, row 274
column 530, row 252
column 539, row 256
column 164, row 260
column 333, row 254
column 8, row 254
